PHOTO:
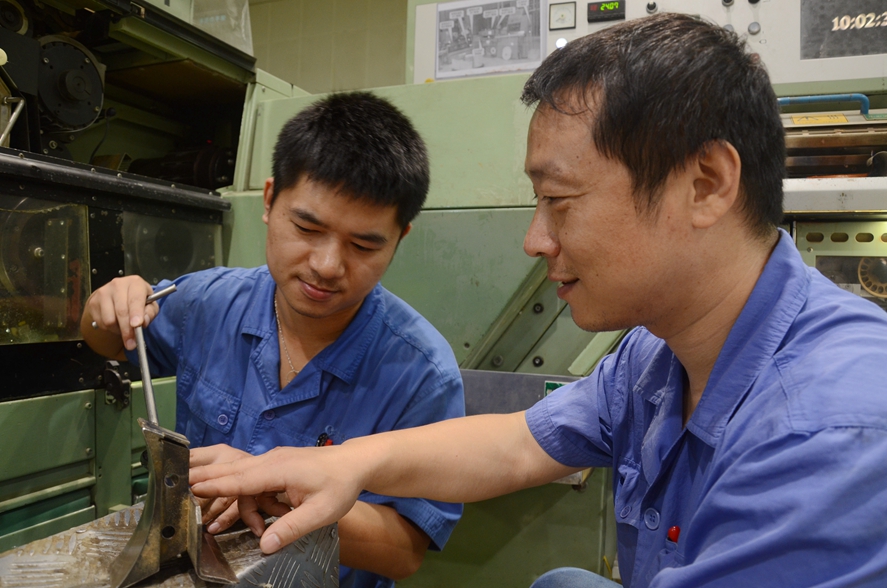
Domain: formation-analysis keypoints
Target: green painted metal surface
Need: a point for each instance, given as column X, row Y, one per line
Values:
column 459, row 268
column 510, row 541
column 46, row 432
column 243, row 231
column 475, row 129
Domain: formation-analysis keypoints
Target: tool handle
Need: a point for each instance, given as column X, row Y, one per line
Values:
column 147, row 385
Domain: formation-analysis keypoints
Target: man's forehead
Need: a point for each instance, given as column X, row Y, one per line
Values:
column 556, row 141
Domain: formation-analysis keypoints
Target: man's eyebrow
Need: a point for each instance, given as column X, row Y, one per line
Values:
column 310, row 217
column 375, row 238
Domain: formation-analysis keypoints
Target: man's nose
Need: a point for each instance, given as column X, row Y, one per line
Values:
column 540, row 240
column 328, row 261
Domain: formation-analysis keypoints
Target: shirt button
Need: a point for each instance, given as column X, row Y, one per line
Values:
column 223, row 419
column 625, row 512
column 651, row 519
column 268, row 414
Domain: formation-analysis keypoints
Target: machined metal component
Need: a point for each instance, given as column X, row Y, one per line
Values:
column 81, row 557
column 171, row 523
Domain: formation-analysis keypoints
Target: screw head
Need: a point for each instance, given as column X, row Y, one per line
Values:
column 497, row 361
column 538, row 308
column 538, row 361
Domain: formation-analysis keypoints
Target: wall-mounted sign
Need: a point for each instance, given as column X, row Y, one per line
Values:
column 479, row 38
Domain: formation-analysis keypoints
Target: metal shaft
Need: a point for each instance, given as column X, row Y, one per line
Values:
column 147, row 385
column 14, row 117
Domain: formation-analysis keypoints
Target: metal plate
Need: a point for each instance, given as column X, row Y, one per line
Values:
column 80, row 558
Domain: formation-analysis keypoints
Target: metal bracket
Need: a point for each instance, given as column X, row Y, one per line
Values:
column 171, row 521
column 117, row 387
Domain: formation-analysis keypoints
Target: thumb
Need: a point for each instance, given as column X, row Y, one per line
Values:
column 295, row 524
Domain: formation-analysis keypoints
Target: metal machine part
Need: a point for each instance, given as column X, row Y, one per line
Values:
column 81, row 557
column 71, row 86
column 170, row 524
column 211, row 167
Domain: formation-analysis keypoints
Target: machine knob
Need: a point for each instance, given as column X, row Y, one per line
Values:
column 754, row 28
column 753, row 1
column 651, row 7
column 727, row 2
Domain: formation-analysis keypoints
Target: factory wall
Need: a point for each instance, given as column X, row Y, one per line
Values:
column 331, row 45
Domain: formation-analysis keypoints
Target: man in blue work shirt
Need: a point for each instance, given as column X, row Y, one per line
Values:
column 310, row 349
column 744, row 419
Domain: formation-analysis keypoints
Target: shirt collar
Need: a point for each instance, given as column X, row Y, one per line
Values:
column 756, row 336
column 344, row 355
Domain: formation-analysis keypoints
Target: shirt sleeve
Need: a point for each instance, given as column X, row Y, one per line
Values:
column 574, row 424
column 800, row 510
column 433, row 403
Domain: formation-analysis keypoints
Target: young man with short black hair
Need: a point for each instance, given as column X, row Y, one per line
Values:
column 309, row 349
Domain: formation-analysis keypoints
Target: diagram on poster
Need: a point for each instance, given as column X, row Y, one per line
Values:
column 483, row 38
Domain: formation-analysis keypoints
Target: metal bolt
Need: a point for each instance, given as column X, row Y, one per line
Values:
column 651, row 7
column 38, row 252
column 88, row 405
column 538, row 308
column 89, row 451
column 119, row 272
column 45, row 151
column 94, row 271
column 81, row 380
column 53, row 145
column 45, row 60
column 96, row 109
column 538, row 361
column 91, row 215
column 809, row 250
column 86, row 60
column 80, row 346
column 497, row 361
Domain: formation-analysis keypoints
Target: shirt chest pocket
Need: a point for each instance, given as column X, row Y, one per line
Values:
column 207, row 414
column 628, row 495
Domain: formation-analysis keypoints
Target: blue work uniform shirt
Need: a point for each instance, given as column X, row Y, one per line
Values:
column 390, row 369
column 780, row 476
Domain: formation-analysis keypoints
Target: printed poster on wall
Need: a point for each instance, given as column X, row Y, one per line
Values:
column 476, row 38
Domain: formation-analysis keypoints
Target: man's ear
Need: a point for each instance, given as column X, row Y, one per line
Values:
column 406, row 230
column 268, row 196
column 716, row 185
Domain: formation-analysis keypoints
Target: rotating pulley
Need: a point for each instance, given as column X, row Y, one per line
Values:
column 71, row 86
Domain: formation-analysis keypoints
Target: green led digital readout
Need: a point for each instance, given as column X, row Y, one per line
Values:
column 605, row 11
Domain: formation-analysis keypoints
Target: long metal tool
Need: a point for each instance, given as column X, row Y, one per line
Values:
column 171, row 523
column 147, row 385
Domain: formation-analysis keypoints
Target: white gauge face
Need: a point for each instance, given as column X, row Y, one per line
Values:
column 562, row 16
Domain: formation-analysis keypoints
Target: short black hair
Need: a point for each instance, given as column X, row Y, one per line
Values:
column 360, row 144
column 664, row 88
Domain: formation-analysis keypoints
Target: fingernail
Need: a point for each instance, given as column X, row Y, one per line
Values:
column 214, row 528
column 136, row 321
column 130, row 344
column 272, row 542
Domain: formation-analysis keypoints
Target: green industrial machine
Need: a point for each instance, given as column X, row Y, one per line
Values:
column 462, row 266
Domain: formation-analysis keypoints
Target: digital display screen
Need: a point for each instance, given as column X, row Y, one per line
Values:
column 843, row 29
column 604, row 11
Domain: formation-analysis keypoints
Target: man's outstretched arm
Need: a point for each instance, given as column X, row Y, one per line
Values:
column 459, row 460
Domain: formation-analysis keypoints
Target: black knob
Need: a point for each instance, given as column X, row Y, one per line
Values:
column 651, row 7
column 538, row 361
column 753, row 1
column 538, row 308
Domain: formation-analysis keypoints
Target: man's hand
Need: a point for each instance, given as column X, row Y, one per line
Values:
column 222, row 512
column 321, row 487
column 116, row 309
